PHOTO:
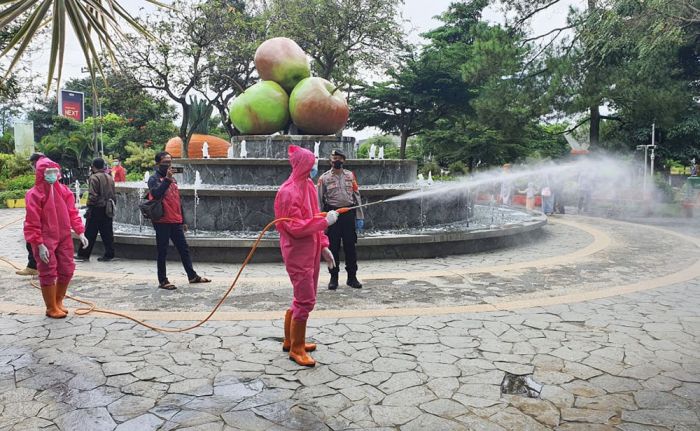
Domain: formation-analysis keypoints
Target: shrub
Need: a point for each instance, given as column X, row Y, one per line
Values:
column 391, row 151
column 14, row 165
column 457, row 168
column 430, row 167
column 134, row 176
column 12, row 194
column 23, row 182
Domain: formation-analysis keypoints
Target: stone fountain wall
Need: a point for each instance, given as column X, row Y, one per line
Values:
column 275, row 147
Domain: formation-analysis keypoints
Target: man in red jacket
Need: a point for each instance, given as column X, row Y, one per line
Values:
column 170, row 227
column 118, row 172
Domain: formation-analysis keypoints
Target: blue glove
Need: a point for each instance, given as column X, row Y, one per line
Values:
column 359, row 224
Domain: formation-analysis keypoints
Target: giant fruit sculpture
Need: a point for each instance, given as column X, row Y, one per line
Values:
column 316, row 106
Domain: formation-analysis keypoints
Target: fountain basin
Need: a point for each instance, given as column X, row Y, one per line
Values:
column 250, row 208
column 276, row 171
column 440, row 241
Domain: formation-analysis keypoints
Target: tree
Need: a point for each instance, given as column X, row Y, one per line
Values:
column 343, row 38
column 190, row 57
column 242, row 30
column 94, row 21
column 398, row 105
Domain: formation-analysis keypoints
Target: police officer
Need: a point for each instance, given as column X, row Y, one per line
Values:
column 338, row 188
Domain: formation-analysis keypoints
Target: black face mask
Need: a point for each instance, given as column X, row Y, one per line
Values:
column 337, row 164
column 163, row 169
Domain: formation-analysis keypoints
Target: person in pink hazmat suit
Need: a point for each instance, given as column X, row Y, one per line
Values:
column 302, row 243
column 51, row 214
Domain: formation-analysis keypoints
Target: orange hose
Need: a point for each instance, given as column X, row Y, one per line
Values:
column 92, row 307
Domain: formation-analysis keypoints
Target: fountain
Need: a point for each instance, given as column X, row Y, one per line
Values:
column 228, row 201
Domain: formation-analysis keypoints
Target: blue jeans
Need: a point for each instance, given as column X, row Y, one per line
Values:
column 548, row 204
column 166, row 232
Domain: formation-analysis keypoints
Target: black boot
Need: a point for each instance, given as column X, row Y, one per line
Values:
column 354, row 282
column 333, row 284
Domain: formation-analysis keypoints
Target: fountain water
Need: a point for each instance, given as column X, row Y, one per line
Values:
column 197, row 185
column 244, row 152
column 77, row 193
column 372, row 152
column 381, row 153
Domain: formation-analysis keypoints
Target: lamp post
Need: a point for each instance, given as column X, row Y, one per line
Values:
column 646, row 148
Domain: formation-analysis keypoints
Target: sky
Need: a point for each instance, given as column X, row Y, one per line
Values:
column 418, row 14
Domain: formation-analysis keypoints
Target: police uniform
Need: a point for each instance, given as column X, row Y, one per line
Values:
column 338, row 191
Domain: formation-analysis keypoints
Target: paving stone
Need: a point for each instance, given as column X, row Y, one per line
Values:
column 443, row 387
column 409, row 397
column 432, row 422
column 660, row 400
column 661, row 417
column 558, row 396
column 479, row 424
column 147, row 422
column 568, row 354
column 317, row 376
column 517, row 369
column 615, row 384
column 616, row 402
column 391, row 365
column 586, row 415
column 93, row 419
column 116, row 368
column 543, row 411
column 444, row 408
column 393, row 415
column 196, row 387
column 373, row 378
column 512, row 419
column 401, row 381
column 130, row 406
column 363, row 394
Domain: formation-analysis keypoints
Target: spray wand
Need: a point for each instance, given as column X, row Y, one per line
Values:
column 343, row 210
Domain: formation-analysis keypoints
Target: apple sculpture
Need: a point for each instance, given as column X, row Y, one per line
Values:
column 281, row 60
column 262, row 109
column 317, row 107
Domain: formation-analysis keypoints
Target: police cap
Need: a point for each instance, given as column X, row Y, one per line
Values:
column 339, row 153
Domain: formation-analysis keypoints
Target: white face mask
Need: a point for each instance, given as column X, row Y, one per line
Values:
column 51, row 176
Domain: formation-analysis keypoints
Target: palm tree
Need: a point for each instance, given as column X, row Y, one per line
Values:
column 94, row 22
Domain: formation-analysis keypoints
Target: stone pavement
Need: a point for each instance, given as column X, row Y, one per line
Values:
column 604, row 315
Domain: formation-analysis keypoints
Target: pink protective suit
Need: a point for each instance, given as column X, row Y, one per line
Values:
column 51, row 214
column 301, row 240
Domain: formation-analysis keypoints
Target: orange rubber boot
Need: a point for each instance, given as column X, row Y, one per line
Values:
column 49, row 294
column 60, row 294
column 297, row 353
column 309, row 347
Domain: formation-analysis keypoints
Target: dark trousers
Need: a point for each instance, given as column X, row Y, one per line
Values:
column 97, row 221
column 166, row 232
column 344, row 230
column 31, row 262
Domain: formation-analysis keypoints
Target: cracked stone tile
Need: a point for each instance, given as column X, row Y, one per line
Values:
column 196, row 387
column 364, row 394
column 479, row 424
column 432, row 422
column 444, row 408
column 317, row 376
column 512, row 419
column 543, row 411
column 443, row 387
column 94, row 419
column 374, row 378
column 146, row 422
column 615, row 384
column 660, row 400
column 586, row 415
column 130, row 406
column 290, row 416
column 615, row 402
column 115, row 368
column 661, row 417
column 409, row 397
column 393, row 416
column 558, row 396
column 392, row 365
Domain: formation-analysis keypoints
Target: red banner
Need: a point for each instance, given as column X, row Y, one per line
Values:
column 71, row 104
